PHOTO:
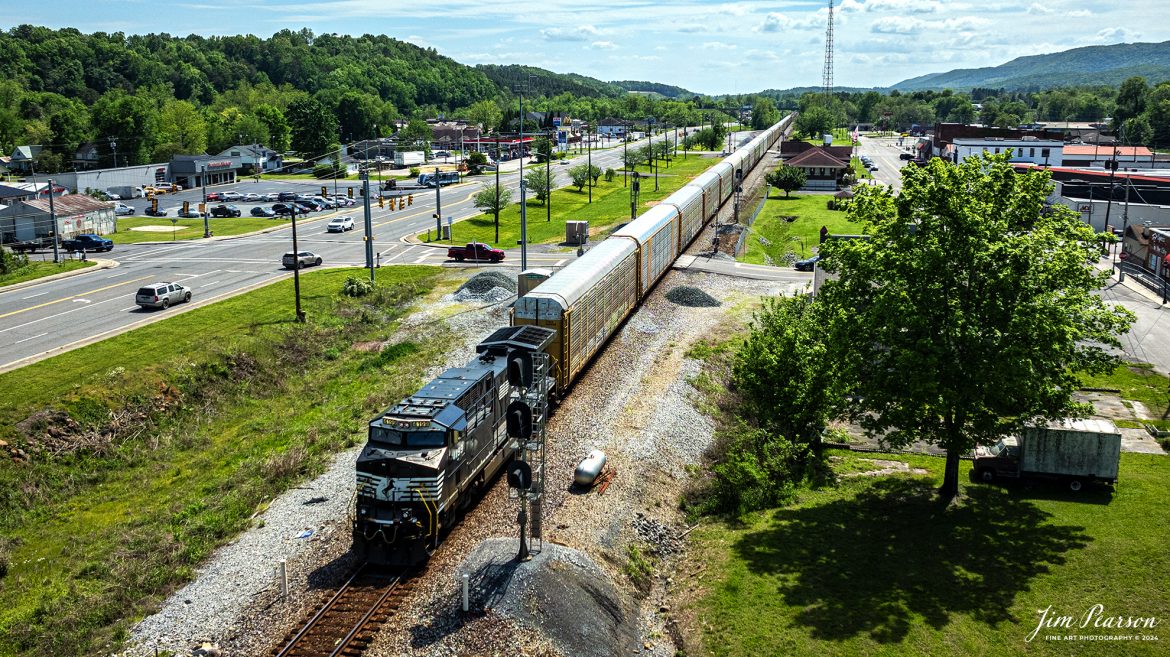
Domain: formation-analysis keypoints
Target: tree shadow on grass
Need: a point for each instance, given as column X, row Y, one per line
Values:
column 873, row 563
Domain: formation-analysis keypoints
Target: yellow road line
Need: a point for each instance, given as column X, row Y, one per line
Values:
column 74, row 296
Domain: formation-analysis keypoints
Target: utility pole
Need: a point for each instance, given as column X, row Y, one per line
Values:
column 296, row 266
column 634, row 187
column 625, row 151
column 369, row 237
column 523, row 226
column 497, row 206
column 438, row 207
column 53, row 218
column 1124, row 227
column 206, row 225
column 548, row 180
column 589, row 156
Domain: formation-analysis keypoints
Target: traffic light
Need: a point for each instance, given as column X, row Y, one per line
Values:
column 324, row 190
column 153, row 204
column 410, row 199
column 186, row 207
column 349, row 191
column 202, row 208
column 382, row 203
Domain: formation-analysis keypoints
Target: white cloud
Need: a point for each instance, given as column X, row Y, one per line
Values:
column 718, row 45
column 905, row 6
column 1039, row 9
column 1080, row 13
column 603, row 45
column 579, row 33
column 1117, row 35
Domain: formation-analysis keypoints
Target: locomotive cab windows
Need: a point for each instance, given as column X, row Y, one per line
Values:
column 407, row 439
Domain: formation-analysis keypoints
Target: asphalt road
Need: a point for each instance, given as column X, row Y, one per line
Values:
column 884, row 151
column 54, row 316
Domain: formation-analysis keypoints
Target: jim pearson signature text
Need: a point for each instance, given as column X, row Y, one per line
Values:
column 1094, row 617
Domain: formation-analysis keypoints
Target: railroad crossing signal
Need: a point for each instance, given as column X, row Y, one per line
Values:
column 520, row 475
column 519, row 420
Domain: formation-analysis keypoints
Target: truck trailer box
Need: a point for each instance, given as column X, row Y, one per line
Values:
column 1073, row 448
column 409, row 158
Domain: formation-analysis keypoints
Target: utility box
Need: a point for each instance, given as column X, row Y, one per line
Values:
column 529, row 279
column 446, row 231
column 576, row 232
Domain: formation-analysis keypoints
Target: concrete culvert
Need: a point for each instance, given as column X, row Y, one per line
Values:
column 692, row 297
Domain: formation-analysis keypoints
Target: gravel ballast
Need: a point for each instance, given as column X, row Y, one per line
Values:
column 693, row 297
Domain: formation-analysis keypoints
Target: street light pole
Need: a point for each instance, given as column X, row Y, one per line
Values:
column 625, row 152
column 203, row 179
column 114, row 147
column 523, row 226
column 497, row 205
column 296, row 266
column 53, row 218
column 589, row 156
column 548, row 181
column 369, row 237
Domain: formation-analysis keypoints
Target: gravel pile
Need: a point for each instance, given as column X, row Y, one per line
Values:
column 692, row 297
column 664, row 540
column 489, row 286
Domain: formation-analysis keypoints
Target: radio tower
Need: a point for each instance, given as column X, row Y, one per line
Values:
column 827, row 78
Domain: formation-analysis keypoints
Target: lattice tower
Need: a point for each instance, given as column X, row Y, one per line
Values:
column 827, row 77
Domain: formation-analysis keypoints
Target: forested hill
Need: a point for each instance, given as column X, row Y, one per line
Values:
column 84, row 67
column 540, row 82
column 664, row 90
column 1091, row 65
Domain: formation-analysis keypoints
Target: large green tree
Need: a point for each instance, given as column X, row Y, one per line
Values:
column 969, row 311
column 1131, row 100
column 313, row 126
column 786, row 178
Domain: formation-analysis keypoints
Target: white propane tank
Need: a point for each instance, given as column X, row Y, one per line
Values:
column 589, row 469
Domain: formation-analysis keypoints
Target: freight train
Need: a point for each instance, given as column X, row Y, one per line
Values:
column 427, row 455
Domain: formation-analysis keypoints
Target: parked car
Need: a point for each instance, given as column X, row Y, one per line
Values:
column 906, row 156
column 151, row 212
column 162, row 295
column 873, row 168
column 475, row 251
column 189, row 213
column 304, row 208
column 261, row 211
column 272, row 197
column 282, row 209
column 121, row 209
column 808, row 264
column 231, row 196
column 214, row 196
column 252, row 197
column 340, row 225
column 291, row 260
column 286, row 196
column 225, row 211
column 87, row 242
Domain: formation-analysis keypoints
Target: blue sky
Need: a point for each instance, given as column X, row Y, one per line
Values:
column 704, row 46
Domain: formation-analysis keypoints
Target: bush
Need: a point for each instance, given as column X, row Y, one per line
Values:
column 357, row 287
column 414, row 171
column 759, row 470
column 609, row 174
column 11, row 262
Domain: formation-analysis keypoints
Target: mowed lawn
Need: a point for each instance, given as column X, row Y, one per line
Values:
column 189, row 229
column 875, row 566
column 40, row 268
column 610, row 207
column 793, row 225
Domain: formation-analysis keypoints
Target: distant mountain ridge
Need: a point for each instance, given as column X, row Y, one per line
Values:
column 1088, row 65
column 664, row 90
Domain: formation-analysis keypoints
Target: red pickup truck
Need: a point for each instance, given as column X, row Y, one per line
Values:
column 475, row 251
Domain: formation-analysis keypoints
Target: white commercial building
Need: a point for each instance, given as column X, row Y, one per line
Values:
column 1044, row 152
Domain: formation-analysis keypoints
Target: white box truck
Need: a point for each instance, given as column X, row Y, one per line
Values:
column 409, row 158
column 1073, row 451
column 125, row 192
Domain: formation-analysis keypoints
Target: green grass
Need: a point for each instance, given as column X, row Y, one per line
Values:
column 189, row 229
column 841, row 137
column 610, row 207
column 186, row 426
column 859, row 169
column 876, row 566
column 35, row 269
column 800, row 236
column 1137, row 382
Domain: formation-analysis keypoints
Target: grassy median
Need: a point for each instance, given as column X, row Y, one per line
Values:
column 148, row 450
column 39, row 269
column 874, row 565
column 792, row 225
column 610, row 207
column 163, row 229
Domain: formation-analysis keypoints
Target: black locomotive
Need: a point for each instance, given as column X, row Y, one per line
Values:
column 431, row 453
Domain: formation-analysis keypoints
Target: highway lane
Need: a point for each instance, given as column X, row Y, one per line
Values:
column 55, row 316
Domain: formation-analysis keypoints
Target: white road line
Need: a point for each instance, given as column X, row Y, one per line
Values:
column 10, row 328
column 421, row 258
column 121, row 273
column 560, row 262
column 32, row 296
column 207, row 285
column 206, row 273
column 134, row 307
column 172, row 260
column 32, row 338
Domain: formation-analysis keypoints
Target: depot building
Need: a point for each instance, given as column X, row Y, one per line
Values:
column 195, row 171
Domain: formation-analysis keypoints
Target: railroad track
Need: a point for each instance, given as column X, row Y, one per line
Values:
column 348, row 622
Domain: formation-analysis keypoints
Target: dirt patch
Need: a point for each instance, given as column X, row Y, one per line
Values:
column 882, row 468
